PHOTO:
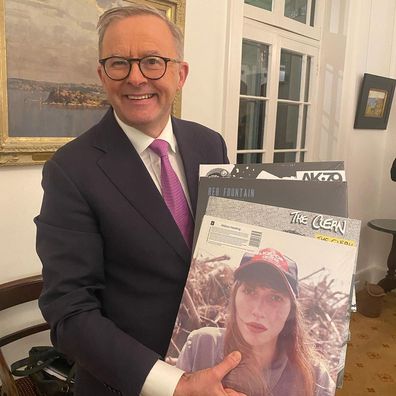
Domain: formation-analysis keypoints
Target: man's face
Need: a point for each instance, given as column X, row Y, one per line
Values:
column 139, row 102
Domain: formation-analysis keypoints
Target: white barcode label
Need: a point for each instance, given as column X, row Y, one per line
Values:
column 255, row 239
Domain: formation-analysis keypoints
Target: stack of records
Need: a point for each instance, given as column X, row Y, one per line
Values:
column 271, row 276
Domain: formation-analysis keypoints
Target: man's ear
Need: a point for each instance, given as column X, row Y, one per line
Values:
column 100, row 73
column 183, row 73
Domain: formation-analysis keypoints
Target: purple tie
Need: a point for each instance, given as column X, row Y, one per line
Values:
column 173, row 193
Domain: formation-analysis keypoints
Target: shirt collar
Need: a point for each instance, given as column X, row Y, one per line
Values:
column 141, row 141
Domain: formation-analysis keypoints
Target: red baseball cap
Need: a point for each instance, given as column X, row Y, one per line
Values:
column 286, row 267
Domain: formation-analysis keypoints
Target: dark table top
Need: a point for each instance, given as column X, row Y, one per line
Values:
column 384, row 225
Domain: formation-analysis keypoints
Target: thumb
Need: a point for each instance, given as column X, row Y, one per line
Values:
column 229, row 362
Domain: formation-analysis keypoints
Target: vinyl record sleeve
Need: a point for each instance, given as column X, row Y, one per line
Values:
column 317, row 195
column 325, row 250
column 314, row 196
column 306, row 197
column 305, row 171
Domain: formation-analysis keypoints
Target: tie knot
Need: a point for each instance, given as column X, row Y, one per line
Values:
column 160, row 147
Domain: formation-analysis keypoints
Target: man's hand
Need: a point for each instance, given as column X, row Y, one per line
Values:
column 208, row 382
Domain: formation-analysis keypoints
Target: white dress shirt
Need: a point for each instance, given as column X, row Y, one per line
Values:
column 152, row 161
column 163, row 378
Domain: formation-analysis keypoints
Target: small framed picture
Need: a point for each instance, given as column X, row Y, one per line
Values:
column 375, row 101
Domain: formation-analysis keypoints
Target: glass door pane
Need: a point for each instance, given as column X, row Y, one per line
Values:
column 292, row 106
column 264, row 4
column 290, row 76
column 286, row 126
column 251, row 124
column 251, row 158
column 297, row 10
column 307, row 78
column 312, row 18
column 285, row 157
column 254, row 68
column 252, row 102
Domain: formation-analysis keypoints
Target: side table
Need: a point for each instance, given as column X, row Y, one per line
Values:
column 388, row 226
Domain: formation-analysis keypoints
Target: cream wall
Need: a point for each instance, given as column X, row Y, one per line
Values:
column 205, row 41
column 359, row 37
column 369, row 154
column 20, row 199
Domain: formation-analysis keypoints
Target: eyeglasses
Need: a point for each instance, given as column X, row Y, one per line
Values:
column 118, row 68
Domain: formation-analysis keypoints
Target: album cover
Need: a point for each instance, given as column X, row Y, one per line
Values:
column 313, row 196
column 274, row 283
column 324, row 171
column 306, row 171
column 274, row 194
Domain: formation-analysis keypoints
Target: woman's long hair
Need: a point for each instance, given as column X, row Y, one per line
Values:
column 248, row 377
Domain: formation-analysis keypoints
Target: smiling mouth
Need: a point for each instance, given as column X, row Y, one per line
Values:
column 256, row 327
column 140, row 97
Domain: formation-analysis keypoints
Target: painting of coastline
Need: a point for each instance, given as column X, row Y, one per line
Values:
column 46, row 109
column 376, row 103
column 52, row 86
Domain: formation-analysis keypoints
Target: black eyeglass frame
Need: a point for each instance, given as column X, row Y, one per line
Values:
column 138, row 60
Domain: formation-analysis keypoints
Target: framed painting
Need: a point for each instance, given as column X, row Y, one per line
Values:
column 49, row 89
column 375, row 102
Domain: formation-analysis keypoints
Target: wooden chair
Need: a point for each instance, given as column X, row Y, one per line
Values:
column 12, row 294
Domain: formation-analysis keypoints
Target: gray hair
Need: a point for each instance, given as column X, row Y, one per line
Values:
column 118, row 13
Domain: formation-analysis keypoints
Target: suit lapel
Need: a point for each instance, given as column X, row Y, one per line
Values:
column 191, row 159
column 124, row 167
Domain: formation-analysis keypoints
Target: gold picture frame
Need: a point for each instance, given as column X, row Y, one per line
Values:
column 34, row 144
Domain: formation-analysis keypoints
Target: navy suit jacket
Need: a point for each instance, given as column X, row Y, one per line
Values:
column 114, row 260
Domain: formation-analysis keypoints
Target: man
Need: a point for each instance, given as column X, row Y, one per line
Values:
column 115, row 259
